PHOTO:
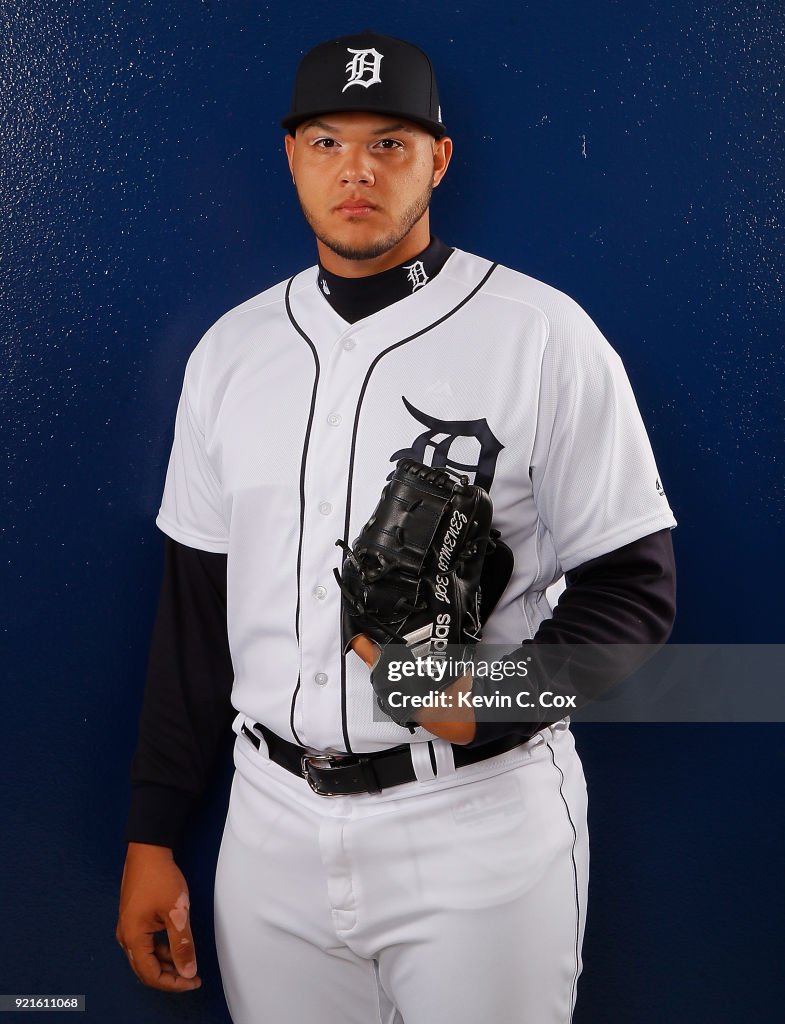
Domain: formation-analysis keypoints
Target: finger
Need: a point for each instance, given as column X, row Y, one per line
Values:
column 163, row 954
column 152, row 972
column 366, row 649
column 181, row 941
column 454, row 732
column 453, row 722
column 164, row 977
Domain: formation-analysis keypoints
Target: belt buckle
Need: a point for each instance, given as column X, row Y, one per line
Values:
column 326, row 759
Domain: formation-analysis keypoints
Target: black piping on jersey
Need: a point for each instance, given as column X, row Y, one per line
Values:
column 432, row 755
column 404, row 341
column 312, row 347
column 575, row 881
column 371, row 368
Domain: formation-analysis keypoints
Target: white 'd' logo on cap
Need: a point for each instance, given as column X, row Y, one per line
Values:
column 363, row 61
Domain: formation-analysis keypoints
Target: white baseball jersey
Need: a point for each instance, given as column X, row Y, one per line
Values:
column 291, row 420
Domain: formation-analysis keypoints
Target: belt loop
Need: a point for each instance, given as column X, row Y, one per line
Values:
column 262, row 748
column 445, row 760
column 421, row 762
column 538, row 738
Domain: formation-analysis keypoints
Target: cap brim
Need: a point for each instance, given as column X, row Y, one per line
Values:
column 291, row 121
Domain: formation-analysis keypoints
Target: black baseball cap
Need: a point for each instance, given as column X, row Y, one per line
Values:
column 367, row 72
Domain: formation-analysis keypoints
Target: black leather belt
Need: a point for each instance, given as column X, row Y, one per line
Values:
column 342, row 774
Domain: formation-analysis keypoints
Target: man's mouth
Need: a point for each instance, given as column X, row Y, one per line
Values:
column 356, row 208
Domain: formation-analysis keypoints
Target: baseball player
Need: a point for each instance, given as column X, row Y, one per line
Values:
column 370, row 868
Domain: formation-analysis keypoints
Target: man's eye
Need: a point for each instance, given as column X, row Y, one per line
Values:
column 389, row 143
column 324, row 143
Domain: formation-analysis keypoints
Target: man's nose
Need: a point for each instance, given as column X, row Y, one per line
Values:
column 357, row 170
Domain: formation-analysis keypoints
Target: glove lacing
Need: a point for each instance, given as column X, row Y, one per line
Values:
column 403, row 605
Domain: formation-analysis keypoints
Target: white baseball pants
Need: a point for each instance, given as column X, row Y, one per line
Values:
column 459, row 899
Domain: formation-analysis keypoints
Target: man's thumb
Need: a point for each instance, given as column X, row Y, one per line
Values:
column 181, row 941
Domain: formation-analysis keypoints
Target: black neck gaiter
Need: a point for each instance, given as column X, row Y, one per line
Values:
column 354, row 298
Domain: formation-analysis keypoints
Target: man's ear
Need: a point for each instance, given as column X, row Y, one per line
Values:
column 442, row 152
column 289, row 146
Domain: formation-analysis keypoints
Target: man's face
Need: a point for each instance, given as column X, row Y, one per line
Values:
column 364, row 181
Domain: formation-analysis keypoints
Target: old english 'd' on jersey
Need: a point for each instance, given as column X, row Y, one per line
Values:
column 291, row 419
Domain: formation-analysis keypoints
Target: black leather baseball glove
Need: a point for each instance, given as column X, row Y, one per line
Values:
column 425, row 572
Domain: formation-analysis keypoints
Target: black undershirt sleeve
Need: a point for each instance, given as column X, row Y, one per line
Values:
column 624, row 598
column 186, row 709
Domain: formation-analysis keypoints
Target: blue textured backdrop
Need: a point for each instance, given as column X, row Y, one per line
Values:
column 630, row 154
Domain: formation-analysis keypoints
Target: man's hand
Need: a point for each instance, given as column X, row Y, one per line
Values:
column 456, row 724
column 154, row 898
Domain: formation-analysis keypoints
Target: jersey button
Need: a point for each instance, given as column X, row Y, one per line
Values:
column 349, row 344
column 320, row 678
column 325, row 508
column 320, row 593
column 334, row 419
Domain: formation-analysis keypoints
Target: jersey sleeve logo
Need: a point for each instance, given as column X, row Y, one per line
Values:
column 363, row 68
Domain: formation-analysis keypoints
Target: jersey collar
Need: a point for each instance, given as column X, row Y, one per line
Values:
column 355, row 298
